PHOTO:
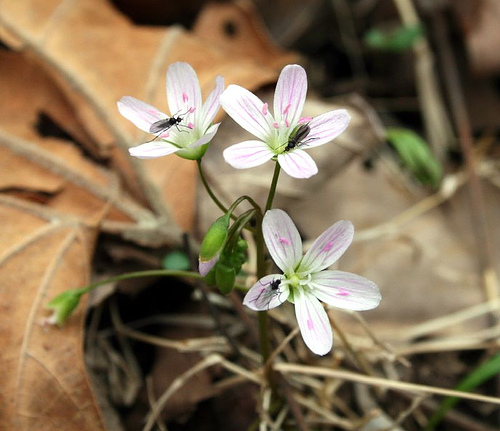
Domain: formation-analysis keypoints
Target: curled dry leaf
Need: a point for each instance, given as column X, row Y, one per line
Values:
column 44, row 383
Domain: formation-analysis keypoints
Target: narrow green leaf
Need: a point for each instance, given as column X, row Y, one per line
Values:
column 399, row 39
column 481, row 374
column 416, row 156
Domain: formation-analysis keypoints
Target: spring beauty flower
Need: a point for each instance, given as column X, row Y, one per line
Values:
column 306, row 281
column 193, row 127
column 278, row 134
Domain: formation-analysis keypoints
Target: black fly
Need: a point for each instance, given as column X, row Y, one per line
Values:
column 275, row 284
column 299, row 138
column 267, row 294
column 161, row 126
column 165, row 124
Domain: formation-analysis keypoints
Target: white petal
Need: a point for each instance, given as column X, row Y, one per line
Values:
column 183, row 91
column 140, row 113
column 247, row 110
column 207, row 137
column 297, row 164
column 328, row 247
column 345, row 290
column 313, row 323
column 282, row 240
column 327, row 126
column 211, row 105
column 153, row 150
column 290, row 94
column 267, row 293
column 247, row 154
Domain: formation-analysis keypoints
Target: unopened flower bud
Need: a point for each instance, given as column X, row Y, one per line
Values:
column 225, row 276
column 241, row 245
column 63, row 306
column 213, row 243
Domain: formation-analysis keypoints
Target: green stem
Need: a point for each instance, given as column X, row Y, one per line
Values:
column 244, row 198
column 265, row 347
column 208, row 189
column 239, row 224
column 140, row 274
column 272, row 190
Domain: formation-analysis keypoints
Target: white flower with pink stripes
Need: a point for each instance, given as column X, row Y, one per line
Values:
column 190, row 127
column 284, row 135
column 305, row 280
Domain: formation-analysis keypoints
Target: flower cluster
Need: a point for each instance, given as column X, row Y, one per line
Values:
column 282, row 136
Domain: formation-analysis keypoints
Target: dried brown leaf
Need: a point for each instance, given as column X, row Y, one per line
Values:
column 44, row 384
column 237, row 29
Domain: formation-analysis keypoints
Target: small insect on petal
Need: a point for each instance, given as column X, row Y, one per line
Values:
column 163, row 125
column 299, row 138
column 267, row 293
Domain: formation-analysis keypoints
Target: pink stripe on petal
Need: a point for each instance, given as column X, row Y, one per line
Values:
column 276, row 227
column 245, row 108
column 327, row 126
column 247, row 154
column 140, row 113
column 345, row 290
column 313, row 323
column 297, row 164
column 328, row 247
column 284, row 241
column 290, row 94
column 183, row 87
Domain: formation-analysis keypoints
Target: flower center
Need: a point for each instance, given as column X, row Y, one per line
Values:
column 297, row 281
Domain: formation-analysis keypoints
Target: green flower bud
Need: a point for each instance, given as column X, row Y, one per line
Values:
column 225, row 276
column 242, row 245
column 237, row 260
column 63, row 306
column 213, row 243
column 210, row 277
